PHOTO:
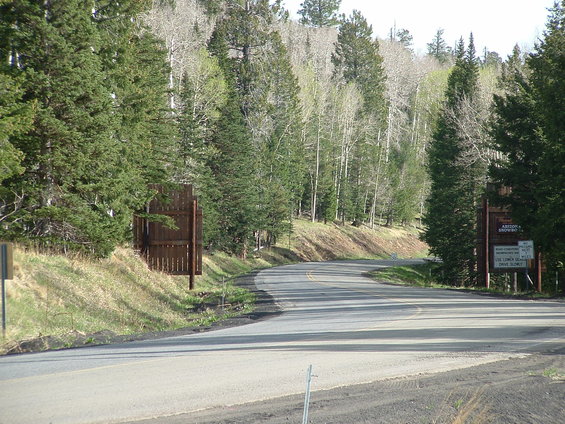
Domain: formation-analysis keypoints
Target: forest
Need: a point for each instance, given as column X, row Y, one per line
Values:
column 271, row 119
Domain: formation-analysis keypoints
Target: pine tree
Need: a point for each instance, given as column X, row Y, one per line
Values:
column 232, row 165
column 268, row 91
column 529, row 128
column 91, row 74
column 455, row 184
column 438, row 48
column 357, row 59
column 275, row 118
column 319, row 13
column 202, row 96
column 15, row 119
column 359, row 64
column 15, row 113
column 67, row 154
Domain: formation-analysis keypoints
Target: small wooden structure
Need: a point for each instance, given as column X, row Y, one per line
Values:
column 174, row 251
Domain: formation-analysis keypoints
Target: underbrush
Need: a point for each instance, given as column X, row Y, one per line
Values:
column 424, row 275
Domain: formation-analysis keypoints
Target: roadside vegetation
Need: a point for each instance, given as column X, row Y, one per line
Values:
column 429, row 274
column 58, row 301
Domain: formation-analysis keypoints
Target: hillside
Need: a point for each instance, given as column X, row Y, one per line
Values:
column 59, row 301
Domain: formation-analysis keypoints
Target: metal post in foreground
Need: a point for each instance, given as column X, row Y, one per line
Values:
column 307, row 397
column 4, row 272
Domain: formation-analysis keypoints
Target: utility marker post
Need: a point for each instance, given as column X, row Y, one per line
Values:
column 7, row 271
column 307, row 396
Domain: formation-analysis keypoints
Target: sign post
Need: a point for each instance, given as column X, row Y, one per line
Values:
column 526, row 251
column 500, row 245
column 7, row 271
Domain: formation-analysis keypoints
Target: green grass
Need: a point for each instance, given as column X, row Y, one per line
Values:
column 413, row 275
column 423, row 276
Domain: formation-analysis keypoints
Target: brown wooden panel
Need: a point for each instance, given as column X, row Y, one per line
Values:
column 199, row 241
column 167, row 249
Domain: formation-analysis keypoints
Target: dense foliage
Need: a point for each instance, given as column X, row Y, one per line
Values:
column 97, row 86
column 456, row 178
column 269, row 118
column 528, row 127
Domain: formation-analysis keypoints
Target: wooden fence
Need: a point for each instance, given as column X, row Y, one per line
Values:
column 174, row 251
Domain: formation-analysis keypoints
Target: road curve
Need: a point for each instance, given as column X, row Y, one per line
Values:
column 350, row 328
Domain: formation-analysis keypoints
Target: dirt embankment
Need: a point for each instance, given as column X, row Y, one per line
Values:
column 319, row 242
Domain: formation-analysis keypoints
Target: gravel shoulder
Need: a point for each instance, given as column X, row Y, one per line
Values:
column 526, row 390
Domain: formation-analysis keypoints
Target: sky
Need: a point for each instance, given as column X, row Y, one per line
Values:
column 497, row 25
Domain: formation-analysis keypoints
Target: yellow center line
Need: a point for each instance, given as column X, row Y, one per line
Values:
column 418, row 312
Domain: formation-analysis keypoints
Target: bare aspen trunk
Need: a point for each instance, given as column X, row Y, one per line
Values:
column 171, row 76
column 316, row 174
column 374, row 204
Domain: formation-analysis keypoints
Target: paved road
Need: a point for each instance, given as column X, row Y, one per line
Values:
column 351, row 329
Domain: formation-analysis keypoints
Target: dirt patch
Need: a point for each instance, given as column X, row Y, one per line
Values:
column 527, row 390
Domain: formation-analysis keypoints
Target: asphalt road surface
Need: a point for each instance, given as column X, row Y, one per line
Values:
column 351, row 329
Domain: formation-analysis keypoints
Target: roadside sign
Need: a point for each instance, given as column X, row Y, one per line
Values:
column 6, row 261
column 526, row 249
column 6, row 273
column 508, row 257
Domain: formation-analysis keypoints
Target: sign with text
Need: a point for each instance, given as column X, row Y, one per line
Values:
column 526, row 249
column 508, row 257
column 504, row 225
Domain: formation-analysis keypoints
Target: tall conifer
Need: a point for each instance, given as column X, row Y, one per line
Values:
column 455, row 185
column 319, row 13
column 232, row 165
column 529, row 129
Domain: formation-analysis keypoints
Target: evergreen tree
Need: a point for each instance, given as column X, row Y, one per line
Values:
column 529, row 129
column 328, row 207
column 137, row 73
column 202, row 96
column 319, row 13
column 455, row 184
column 15, row 119
column 232, row 164
column 405, row 38
column 275, row 110
column 67, row 154
column 90, row 76
column 438, row 48
column 358, row 63
column 268, row 91
column 548, row 82
column 402, row 36
column 357, row 59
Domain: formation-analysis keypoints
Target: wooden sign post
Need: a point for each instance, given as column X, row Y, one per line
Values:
column 500, row 245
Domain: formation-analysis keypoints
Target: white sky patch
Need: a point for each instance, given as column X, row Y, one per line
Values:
column 496, row 24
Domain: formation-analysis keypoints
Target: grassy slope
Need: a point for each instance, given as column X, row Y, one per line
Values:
column 67, row 296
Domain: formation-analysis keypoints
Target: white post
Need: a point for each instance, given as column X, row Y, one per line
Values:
column 307, row 397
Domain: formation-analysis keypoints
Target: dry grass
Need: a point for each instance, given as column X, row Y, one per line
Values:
column 55, row 295
column 318, row 242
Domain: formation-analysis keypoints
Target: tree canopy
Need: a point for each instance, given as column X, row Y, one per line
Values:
column 270, row 120
column 528, row 128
